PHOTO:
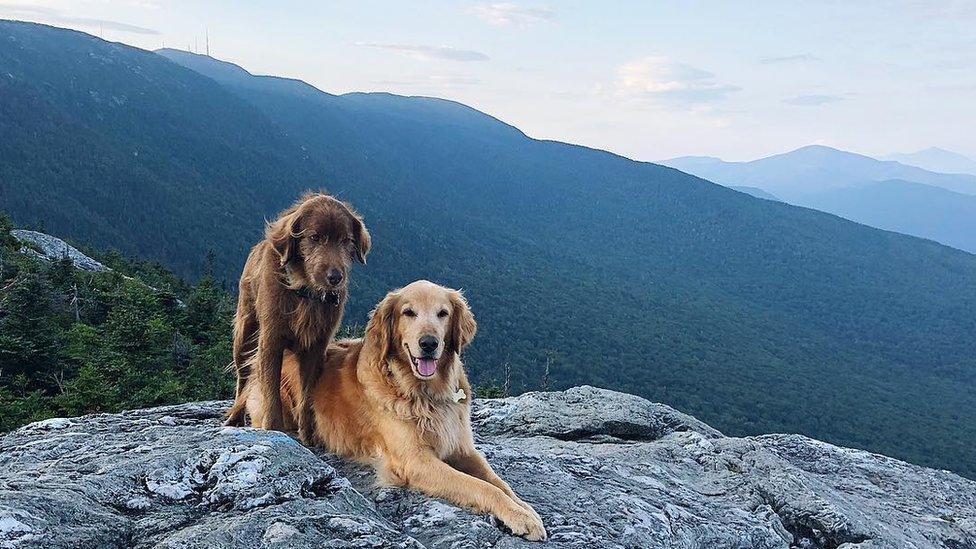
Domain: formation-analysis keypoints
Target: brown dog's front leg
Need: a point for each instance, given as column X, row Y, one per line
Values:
column 245, row 338
column 309, row 370
column 270, row 349
column 423, row 471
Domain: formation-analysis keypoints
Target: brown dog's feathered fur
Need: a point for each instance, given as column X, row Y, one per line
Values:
column 287, row 300
column 372, row 404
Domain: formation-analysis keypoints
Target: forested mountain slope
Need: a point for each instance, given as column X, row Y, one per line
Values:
column 754, row 315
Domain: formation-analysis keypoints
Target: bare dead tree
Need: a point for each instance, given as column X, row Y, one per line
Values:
column 58, row 378
column 75, row 302
column 507, row 385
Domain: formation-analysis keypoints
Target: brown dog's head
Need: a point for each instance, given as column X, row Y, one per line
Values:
column 424, row 326
column 316, row 240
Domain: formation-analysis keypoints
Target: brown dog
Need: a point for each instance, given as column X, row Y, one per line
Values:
column 292, row 295
column 399, row 400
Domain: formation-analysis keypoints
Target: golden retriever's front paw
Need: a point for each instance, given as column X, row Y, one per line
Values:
column 528, row 508
column 524, row 523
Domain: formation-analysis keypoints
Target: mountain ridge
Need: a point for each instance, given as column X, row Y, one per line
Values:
column 937, row 160
column 825, row 179
column 812, row 168
column 755, row 315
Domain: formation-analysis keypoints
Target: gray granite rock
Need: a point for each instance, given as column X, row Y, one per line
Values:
column 604, row 469
column 51, row 248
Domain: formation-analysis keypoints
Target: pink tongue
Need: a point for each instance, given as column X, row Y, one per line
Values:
column 426, row 366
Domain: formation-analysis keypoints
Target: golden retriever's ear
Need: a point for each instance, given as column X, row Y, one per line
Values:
column 463, row 326
column 379, row 335
column 283, row 235
column 359, row 233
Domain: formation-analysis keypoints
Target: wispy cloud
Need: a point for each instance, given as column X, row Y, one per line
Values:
column 798, row 58
column 814, row 100
column 941, row 9
column 658, row 77
column 146, row 4
column 53, row 16
column 513, row 15
column 432, row 81
column 428, row 53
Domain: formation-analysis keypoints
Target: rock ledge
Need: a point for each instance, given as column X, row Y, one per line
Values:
column 604, row 469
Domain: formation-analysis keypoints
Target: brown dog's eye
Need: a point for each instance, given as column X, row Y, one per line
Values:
column 409, row 312
column 442, row 313
column 314, row 237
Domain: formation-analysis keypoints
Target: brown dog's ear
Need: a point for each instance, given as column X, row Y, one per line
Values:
column 359, row 233
column 463, row 326
column 379, row 335
column 283, row 235
column 362, row 238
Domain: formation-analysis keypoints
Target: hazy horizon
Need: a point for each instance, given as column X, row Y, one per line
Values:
column 646, row 81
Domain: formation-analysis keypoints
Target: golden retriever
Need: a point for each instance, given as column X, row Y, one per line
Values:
column 399, row 400
column 292, row 295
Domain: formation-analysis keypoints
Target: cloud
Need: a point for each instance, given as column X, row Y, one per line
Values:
column 57, row 17
column 799, row 58
column 146, row 4
column 941, row 9
column 428, row 53
column 813, row 100
column 513, row 15
column 657, row 77
column 432, row 81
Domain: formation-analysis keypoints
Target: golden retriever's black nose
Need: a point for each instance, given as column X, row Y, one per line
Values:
column 428, row 344
column 334, row 277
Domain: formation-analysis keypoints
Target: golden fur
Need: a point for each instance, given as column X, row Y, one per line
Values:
column 289, row 299
column 373, row 405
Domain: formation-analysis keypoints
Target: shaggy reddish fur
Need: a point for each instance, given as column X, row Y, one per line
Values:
column 287, row 301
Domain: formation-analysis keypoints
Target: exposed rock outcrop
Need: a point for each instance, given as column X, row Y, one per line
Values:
column 604, row 469
column 51, row 248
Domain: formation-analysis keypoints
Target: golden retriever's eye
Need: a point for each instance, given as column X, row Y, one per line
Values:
column 442, row 313
column 314, row 237
column 409, row 312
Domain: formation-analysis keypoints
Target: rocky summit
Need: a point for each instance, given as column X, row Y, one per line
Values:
column 604, row 469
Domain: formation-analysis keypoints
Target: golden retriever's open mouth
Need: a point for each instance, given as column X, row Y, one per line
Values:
column 424, row 368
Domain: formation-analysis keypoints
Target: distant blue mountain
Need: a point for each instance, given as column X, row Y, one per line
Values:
column 813, row 169
column 936, row 160
column 905, row 207
column 756, row 192
column 883, row 194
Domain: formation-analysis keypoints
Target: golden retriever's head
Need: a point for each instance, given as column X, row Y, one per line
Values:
column 316, row 240
column 424, row 326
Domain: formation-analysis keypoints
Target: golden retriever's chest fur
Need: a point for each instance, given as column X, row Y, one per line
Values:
column 442, row 426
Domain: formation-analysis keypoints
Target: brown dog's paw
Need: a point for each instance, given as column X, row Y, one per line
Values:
column 273, row 420
column 306, row 434
column 524, row 523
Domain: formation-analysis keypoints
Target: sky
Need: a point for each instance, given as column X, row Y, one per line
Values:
column 647, row 79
